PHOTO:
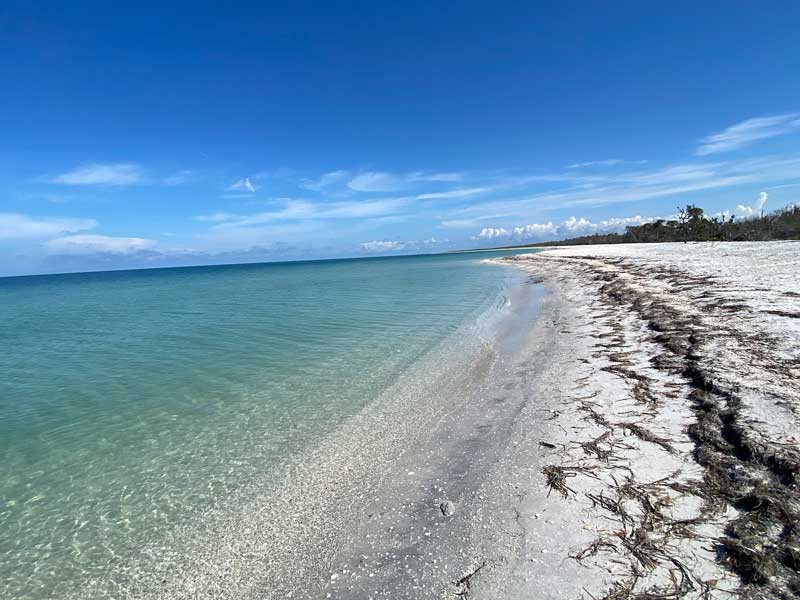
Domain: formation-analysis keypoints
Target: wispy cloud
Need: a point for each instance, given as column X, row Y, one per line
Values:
column 785, row 185
column 15, row 226
column 456, row 193
column 608, row 162
column 465, row 223
column 441, row 177
column 324, row 181
column 179, row 178
column 628, row 186
column 116, row 174
column 98, row 244
column 242, row 185
column 217, row 217
column 303, row 210
column 749, row 131
column 363, row 209
column 231, row 237
column 377, row 181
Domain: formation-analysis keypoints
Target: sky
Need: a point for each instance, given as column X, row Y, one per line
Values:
column 158, row 134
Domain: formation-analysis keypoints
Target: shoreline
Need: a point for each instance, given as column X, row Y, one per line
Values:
column 385, row 471
column 606, row 445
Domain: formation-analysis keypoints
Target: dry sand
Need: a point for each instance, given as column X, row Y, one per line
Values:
column 674, row 435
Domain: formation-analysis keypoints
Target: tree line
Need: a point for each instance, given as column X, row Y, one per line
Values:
column 693, row 225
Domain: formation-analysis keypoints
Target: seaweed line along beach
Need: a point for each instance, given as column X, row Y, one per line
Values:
column 673, row 439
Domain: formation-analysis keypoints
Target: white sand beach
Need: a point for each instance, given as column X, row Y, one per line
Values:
column 672, row 448
column 633, row 435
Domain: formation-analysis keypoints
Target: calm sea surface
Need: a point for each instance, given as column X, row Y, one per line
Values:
column 129, row 400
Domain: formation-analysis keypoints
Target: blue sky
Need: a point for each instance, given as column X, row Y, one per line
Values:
column 160, row 134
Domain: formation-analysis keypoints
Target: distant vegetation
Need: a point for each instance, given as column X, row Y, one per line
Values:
column 692, row 225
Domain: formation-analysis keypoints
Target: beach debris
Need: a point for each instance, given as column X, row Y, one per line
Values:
column 665, row 333
column 647, row 436
column 593, row 447
column 535, row 280
column 557, row 478
column 464, row 584
column 596, row 546
column 447, row 508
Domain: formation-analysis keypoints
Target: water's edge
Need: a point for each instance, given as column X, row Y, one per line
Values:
column 285, row 530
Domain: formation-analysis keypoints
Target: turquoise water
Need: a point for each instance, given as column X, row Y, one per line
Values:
column 129, row 400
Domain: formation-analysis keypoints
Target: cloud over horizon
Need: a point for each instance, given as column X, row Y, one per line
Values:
column 399, row 246
column 570, row 227
column 98, row 244
column 16, row 227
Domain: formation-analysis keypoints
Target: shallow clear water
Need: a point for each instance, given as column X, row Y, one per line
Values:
column 128, row 400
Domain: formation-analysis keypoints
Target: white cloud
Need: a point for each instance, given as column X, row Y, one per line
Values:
column 570, row 227
column 98, row 244
column 101, row 174
column 577, row 226
column 749, row 131
column 243, row 185
column 382, row 246
column 609, row 162
column 743, row 210
column 490, row 233
column 325, row 181
column 397, row 246
column 620, row 223
column 15, row 226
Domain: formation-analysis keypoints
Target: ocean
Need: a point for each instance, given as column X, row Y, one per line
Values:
column 132, row 401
